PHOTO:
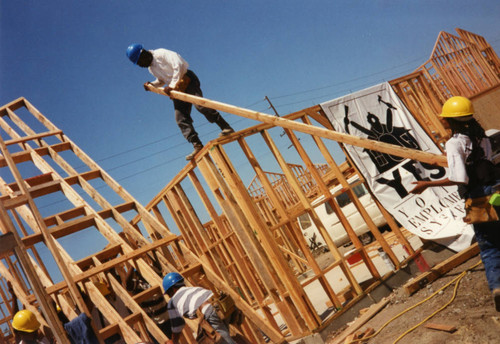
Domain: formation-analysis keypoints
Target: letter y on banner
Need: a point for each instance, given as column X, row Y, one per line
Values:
column 378, row 114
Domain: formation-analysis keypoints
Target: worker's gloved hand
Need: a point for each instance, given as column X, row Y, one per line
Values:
column 167, row 90
column 420, row 187
column 146, row 84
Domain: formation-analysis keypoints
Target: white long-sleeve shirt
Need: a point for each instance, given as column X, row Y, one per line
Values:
column 168, row 67
column 458, row 148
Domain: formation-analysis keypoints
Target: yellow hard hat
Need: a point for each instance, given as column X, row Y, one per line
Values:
column 103, row 288
column 25, row 321
column 457, row 107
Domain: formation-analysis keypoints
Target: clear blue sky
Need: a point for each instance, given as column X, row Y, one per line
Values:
column 68, row 59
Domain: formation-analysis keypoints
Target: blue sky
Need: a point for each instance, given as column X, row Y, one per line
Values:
column 68, row 59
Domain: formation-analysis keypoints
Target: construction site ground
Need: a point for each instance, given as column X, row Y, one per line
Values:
column 471, row 313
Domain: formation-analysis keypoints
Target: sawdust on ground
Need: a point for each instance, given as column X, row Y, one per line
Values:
column 472, row 312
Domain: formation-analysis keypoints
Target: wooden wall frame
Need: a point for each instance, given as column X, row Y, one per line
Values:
column 251, row 247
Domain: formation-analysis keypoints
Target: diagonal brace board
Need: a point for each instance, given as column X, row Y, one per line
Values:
column 383, row 147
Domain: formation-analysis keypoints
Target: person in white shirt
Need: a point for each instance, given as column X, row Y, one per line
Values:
column 171, row 69
column 186, row 301
column 468, row 153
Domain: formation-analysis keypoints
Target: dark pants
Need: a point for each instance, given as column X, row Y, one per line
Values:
column 488, row 240
column 183, row 111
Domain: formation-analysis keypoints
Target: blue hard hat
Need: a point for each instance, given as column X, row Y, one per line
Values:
column 170, row 280
column 133, row 52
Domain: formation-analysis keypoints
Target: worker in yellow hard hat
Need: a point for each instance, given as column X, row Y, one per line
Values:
column 25, row 324
column 468, row 152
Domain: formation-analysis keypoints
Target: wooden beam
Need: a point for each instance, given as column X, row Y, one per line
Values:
column 110, row 252
column 112, row 263
column 13, row 105
column 48, row 239
column 72, row 226
column 383, row 147
column 147, row 294
column 441, row 327
column 266, row 327
column 45, row 188
column 75, row 179
column 64, row 216
column 33, row 181
column 7, row 243
column 32, row 239
column 11, row 203
column 33, row 137
column 50, row 316
column 440, row 269
column 374, row 309
column 138, row 314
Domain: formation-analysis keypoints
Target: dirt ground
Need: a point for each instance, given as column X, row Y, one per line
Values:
column 472, row 312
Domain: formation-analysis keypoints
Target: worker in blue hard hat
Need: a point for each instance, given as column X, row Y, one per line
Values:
column 174, row 286
column 171, row 69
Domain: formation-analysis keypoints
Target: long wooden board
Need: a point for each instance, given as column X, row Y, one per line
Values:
column 383, row 147
column 374, row 309
column 440, row 269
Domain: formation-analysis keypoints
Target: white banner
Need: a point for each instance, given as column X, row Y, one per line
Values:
column 378, row 114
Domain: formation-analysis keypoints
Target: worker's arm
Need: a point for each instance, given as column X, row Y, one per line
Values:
column 167, row 90
column 421, row 185
column 156, row 83
column 15, row 307
column 175, row 338
column 130, row 274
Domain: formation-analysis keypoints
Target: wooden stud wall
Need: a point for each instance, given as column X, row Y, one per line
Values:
column 239, row 238
column 278, row 197
column 254, row 229
column 459, row 66
column 50, row 173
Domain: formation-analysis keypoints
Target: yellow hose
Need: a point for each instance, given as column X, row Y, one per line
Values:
column 456, row 279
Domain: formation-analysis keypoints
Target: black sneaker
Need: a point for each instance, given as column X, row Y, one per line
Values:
column 226, row 132
column 197, row 147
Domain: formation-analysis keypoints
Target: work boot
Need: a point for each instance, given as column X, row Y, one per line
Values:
column 496, row 298
column 226, row 132
column 197, row 147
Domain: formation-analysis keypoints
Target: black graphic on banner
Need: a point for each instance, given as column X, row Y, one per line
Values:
column 378, row 114
column 387, row 133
